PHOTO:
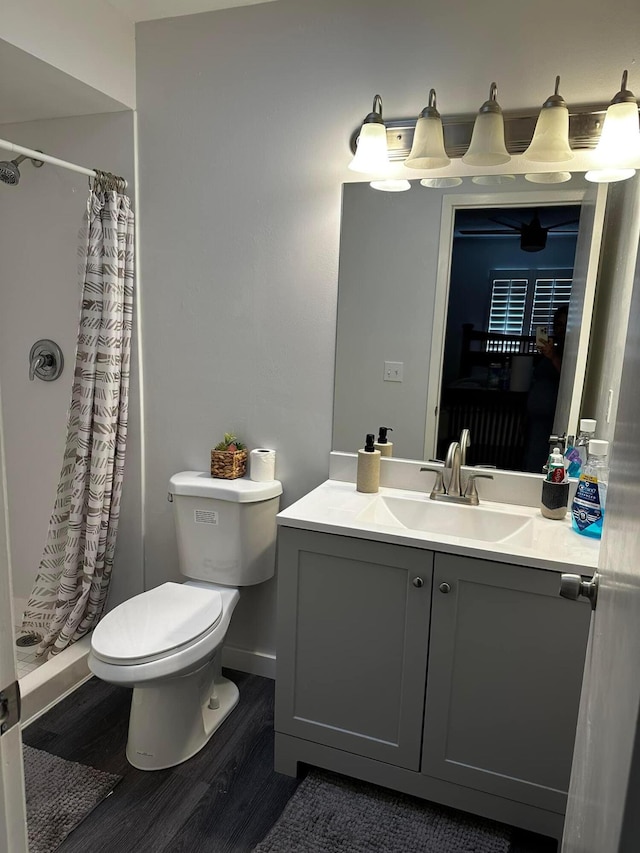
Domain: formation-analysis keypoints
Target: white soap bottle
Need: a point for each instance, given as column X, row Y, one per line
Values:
column 368, row 474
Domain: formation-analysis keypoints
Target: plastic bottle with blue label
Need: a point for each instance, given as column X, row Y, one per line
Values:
column 588, row 507
column 577, row 455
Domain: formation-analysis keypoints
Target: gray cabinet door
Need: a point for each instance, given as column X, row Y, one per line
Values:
column 503, row 688
column 353, row 628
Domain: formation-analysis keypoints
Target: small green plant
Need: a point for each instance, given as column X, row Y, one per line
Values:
column 231, row 443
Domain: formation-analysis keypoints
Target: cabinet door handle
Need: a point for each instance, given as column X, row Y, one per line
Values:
column 444, row 587
column 418, row 582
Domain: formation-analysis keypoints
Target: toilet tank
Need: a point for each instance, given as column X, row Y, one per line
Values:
column 226, row 529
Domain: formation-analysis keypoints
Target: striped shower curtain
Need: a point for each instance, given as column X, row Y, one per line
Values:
column 74, row 573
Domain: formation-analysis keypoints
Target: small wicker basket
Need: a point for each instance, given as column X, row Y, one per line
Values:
column 228, row 464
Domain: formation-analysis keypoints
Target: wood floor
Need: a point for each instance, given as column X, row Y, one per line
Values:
column 224, row 800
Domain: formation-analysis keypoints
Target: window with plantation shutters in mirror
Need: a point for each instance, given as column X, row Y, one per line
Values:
column 522, row 300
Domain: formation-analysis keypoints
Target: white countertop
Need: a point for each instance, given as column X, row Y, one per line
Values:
column 334, row 507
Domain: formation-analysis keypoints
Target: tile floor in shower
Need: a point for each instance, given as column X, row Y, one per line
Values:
column 26, row 660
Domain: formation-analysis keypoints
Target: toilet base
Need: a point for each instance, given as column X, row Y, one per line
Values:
column 172, row 720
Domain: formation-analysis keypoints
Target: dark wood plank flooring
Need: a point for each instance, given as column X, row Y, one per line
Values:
column 223, row 800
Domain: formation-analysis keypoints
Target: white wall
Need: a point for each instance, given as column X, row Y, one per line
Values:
column 39, row 298
column 90, row 41
column 245, row 117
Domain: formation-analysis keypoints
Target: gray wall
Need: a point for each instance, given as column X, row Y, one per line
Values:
column 40, row 221
column 244, row 117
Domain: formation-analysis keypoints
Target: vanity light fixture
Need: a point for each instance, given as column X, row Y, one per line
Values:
column 427, row 151
column 389, row 185
column 371, row 155
column 550, row 143
column 619, row 144
column 487, row 141
column 552, row 136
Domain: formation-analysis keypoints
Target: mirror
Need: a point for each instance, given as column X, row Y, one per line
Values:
column 398, row 309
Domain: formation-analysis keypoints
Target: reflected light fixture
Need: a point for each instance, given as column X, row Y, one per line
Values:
column 619, row 144
column 487, row 146
column 441, row 183
column 371, row 154
column 548, row 177
column 550, row 143
column 427, row 151
column 390, row 185
column 492, row 180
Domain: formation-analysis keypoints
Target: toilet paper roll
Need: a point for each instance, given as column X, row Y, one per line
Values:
column 262, row 464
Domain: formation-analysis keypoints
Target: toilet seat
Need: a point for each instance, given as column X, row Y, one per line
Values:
column 157, row 623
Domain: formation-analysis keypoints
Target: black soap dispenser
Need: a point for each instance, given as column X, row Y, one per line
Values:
column 368, row 475
column 383, row 444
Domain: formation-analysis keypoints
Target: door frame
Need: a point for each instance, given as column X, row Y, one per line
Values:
column 13, row 821
column 451, row 203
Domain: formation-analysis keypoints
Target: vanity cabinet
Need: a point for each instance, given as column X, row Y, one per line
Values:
column 353, row 620
column 448, row 677
column 505, row 673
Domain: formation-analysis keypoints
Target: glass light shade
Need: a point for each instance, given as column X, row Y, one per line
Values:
column 608, row 176
column 618, row 150
column 427, row 151
column 441, row 183
column 548, row 177
column 492, row 180
column 391, row 186
column 620, row 139
column 550, row 143
column 487, row 141
column 371, row 155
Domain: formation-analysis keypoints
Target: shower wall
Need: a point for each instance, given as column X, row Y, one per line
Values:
column 40, row 220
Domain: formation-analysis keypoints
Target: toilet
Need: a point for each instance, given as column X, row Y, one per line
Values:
column 166, row 643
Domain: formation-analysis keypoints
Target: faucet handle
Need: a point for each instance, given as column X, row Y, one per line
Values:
column 438, row 487
column 471, row 491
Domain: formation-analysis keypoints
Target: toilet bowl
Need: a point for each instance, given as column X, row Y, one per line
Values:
column 166, row 643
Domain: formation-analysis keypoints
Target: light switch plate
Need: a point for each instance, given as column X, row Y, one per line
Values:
column 393, row 371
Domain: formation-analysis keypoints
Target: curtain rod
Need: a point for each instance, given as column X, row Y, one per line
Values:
column 47, row 158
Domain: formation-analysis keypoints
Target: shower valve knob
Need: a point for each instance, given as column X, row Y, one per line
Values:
column 45, row 360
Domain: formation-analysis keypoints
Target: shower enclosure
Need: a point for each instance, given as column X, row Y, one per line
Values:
column 41, row 214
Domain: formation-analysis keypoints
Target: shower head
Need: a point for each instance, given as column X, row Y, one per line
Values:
column 9, row 171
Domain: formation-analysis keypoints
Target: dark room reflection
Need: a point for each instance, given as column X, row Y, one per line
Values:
column 511, row 274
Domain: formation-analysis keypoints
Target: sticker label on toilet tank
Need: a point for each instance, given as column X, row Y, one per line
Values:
column 205, row 516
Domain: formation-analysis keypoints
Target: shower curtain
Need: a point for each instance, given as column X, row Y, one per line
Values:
column 71, row 586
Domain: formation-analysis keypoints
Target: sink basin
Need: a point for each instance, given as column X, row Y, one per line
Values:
column 423, row 514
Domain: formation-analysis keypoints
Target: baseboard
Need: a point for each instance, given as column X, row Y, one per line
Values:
column 255, row 663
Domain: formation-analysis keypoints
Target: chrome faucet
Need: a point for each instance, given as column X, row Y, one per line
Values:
column 453, row 492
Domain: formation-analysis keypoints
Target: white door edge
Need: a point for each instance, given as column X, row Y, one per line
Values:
column 13, row 822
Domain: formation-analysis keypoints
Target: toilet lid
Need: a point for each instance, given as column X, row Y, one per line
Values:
column 156, row 622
